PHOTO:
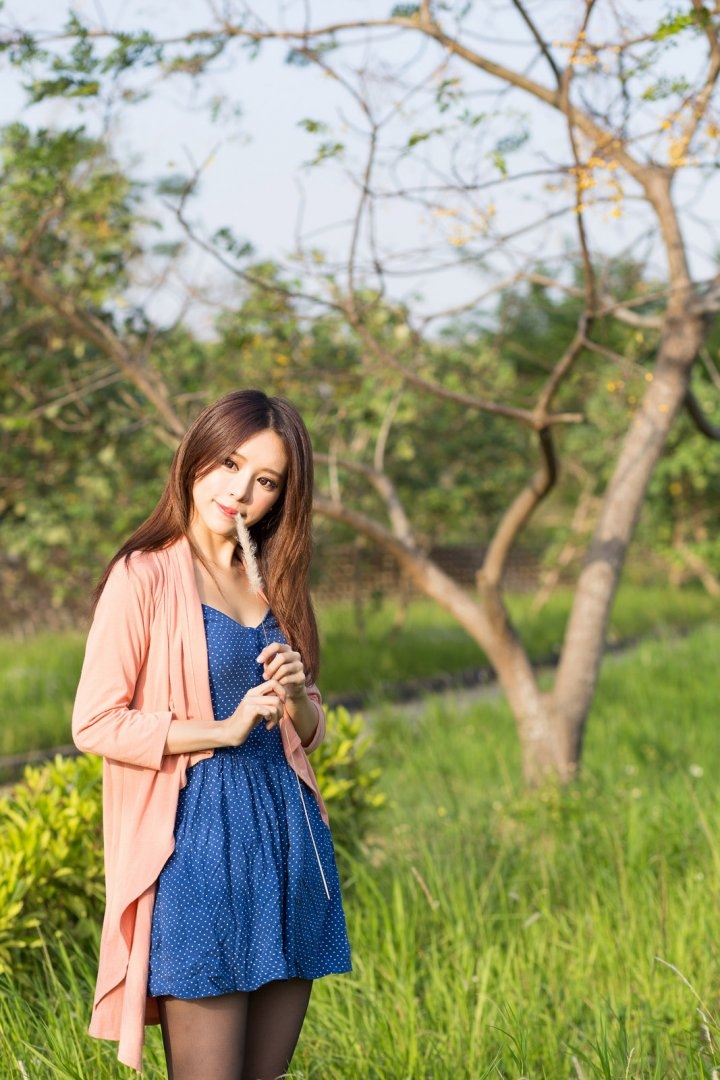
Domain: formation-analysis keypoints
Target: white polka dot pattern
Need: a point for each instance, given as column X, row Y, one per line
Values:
column 241, row 901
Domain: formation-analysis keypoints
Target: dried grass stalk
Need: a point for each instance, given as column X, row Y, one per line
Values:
column 249, row 552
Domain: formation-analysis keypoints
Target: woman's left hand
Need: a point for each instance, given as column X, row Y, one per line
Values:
column 284, row 665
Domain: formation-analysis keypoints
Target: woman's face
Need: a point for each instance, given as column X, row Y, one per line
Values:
column 250, row 482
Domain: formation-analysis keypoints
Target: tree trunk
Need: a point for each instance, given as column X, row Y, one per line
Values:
column 485, row 620
column 585, row 637
column 550, row 726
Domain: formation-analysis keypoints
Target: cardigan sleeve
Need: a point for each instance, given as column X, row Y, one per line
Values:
column 104, row 721
column 319, row 734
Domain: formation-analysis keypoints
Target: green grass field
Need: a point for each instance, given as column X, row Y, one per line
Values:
column 38, row 677
column 497, row 933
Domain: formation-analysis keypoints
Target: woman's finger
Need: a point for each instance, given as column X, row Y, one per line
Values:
column 272, row 650
column 276, row 656
column 288, row 673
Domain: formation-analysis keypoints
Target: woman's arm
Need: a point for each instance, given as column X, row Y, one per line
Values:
column 304, row 716
column 260, row 703
column 117, row 646
column 316, row 701
column 103, row 722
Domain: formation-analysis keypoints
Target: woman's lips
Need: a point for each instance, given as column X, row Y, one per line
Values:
column 228, row 511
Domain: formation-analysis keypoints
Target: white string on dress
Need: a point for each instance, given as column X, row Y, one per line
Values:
column 302, row 800
column 255, row 581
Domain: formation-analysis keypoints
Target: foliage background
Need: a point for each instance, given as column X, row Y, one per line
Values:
column 84, row 457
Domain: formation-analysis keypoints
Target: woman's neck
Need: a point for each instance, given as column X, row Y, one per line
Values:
column 216, row 552
column 227, row 588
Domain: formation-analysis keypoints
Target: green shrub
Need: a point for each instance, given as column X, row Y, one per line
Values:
column 348, row 785
column 51, row 867
column 51, row 870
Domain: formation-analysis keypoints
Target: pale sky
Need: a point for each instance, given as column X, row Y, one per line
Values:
column 256, row 182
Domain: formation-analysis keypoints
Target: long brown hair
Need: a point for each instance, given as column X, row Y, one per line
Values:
column 283, row 536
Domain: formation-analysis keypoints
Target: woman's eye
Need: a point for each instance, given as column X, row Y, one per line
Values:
column 267, row 483
column 229, row 463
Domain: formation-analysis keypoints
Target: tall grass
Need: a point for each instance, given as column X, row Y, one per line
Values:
column 43, row 1035
column 427, row 641
column 38, row 677
column 497, row 933
column 563, row 934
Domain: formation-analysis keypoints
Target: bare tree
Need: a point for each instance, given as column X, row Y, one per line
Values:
column 588, row 123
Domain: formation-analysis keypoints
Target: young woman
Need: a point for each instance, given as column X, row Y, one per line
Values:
column 197, row 688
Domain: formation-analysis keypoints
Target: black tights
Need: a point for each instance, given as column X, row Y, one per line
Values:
column 243, row 1036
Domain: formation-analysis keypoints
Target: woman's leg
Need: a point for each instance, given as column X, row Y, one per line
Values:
column 204, row 1039
column 275, row 1015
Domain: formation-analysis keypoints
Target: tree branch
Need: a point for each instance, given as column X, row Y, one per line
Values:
column 711, row 368
column 79, row 393
column 561, row 370
column 384, row 433
column 98, row 333
column 538, row 37
column 590, row 289
column 362, row 203
column 401, row 527
column 703, row 98
column 619, row 309
column 524, row 416
column 518, row 514
column 700, row 420
column 605, row 352
column 419, row 568
column 250, row 278
column 526, row 502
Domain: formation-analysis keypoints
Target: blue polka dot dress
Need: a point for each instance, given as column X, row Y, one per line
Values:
column 242, row 900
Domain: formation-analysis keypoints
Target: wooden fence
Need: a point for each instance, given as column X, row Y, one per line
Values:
column 351, row 571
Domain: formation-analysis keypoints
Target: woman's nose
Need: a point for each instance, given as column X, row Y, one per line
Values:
column 241, row 489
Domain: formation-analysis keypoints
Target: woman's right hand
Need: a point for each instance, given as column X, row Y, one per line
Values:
column 262, row 702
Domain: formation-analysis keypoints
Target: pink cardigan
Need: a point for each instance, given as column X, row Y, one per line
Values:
column 145, row 664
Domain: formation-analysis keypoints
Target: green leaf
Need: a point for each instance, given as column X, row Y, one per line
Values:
column 509, row 143
column 303, row 57
column 133, row 50
column 498, row 160
column 175, row 185
column 471, row 119
column 327, row 151
column 295, row 58
column 676, row 23
column 422, row 136
column 448, row 92
column 664, row 88
column 168, row 249
column 65, row 86
column 314, row 127
column 226, row 239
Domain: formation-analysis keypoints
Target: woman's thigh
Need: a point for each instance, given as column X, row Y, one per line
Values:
column 204, row 1039
column 242, row 1036
column 275, row 1018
